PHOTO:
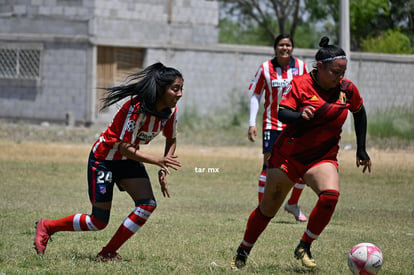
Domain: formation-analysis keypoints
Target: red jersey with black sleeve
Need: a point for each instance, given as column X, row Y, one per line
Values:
column 272, row 80
column 316, row 137
column 134, row 126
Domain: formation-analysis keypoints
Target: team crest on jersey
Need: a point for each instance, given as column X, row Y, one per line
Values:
column 295, row 71
column 130, row 125
column 342, row 97
column 280, row 83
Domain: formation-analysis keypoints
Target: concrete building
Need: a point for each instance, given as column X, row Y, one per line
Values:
column 56, row 54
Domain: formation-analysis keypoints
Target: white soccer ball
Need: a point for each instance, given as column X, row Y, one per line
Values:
column 365, row 259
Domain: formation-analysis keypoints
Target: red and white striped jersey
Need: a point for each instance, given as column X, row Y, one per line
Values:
column 272, row 79
column 135, row 127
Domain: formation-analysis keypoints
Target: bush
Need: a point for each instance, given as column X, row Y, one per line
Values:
column 393, row 41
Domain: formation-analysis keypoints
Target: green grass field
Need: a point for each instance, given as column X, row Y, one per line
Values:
column 204, row 220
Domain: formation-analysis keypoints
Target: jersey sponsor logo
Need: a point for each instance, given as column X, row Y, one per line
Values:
column 147, row 136
column 130, row 125
column 280, row 83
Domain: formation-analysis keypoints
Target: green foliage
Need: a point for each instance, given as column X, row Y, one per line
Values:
column 323, row 9
column 251, row 34
column 392, row 41
column 232, row 32
column 306, row 37
column 394, row 125
column 368, row 18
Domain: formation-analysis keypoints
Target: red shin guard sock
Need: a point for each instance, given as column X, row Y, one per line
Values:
column 296, row 192
column 321, row 215
column 255, row 226
column 130, row 226
column 77, row 222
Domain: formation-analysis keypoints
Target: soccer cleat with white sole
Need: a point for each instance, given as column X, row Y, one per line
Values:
column 295, row 210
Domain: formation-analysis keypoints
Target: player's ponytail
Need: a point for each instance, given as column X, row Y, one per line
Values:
column 324, row 42
column 327, row 52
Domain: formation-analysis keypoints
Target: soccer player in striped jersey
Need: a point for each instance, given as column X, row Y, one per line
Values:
column 272, row 79
column 149, row 107
column 314, row 108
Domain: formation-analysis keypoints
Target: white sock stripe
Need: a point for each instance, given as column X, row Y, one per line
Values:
column 299, row 185
column 261, row 189
column 90, row 224
column 310, row 234
column 142, row 213
column 247, row 244
column 133, row 227
column 76, row 222
column 262, row 178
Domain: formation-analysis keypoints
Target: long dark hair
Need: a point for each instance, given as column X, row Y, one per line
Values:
column 144, row 87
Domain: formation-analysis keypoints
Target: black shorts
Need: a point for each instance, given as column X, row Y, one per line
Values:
column 269, row 138
column 102, row 174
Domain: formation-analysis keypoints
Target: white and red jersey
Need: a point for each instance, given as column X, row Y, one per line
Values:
column 273, row 80
column 132, row 126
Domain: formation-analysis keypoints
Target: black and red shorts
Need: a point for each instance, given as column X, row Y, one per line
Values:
column 103, row 174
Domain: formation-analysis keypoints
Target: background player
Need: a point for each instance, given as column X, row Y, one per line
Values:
column 314, row 109
column 272, row 79
column 116, row 157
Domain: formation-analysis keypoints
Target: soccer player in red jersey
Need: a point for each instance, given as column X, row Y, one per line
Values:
column 116, row 158
column 272, row 78
column 314, row 108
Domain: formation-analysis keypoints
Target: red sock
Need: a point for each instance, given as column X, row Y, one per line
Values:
column 129, row 226
column 262, row 183
column 255, row 226
column 77, row 222
column 321, row 215
column 296, row 192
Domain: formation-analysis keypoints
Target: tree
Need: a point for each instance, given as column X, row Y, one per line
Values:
column 232, row 33
column 402, row 15
column 369, row 18
column 265, row 13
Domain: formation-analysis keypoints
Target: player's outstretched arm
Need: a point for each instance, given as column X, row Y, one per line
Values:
column 360, row 123
column 131, row 152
